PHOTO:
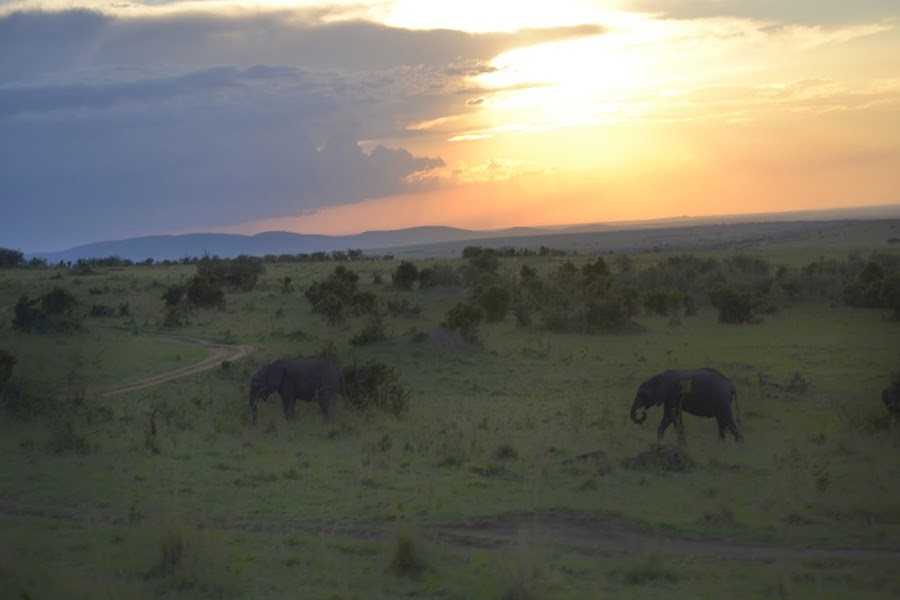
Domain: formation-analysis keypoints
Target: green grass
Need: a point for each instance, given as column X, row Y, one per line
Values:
column 175, row 495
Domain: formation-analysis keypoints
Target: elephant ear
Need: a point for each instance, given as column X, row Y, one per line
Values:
column 273, row 376
column 658, row 389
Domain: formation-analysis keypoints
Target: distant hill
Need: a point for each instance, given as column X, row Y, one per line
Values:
column 175, row 247
column 449, row 240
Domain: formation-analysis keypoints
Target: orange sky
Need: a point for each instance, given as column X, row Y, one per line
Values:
column 657, row 117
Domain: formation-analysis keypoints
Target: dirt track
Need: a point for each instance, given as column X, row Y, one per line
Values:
column 220, row 352
column 570, row 533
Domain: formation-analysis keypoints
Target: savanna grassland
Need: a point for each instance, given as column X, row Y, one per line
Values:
column 493, row 459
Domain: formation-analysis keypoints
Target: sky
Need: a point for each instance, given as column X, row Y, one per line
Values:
column 121, row 119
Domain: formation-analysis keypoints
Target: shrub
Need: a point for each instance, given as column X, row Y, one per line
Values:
column 58, row 301
column 440, row 274
column 173, row 295
column 494, row 301
column 372, row 331
column 7, row 362
column 342, row 284
column 365, row 303
column 405, row 275
column 375, row 385
column 10, row 258
column 402, row 307
column 332, row 308
column 26, row 313
column 465, row 318
column 241, row 272
column 733, row 306
column 205, row 291
column 664, row 302
column 865, row 289
column 52, row 311
column 102, row 310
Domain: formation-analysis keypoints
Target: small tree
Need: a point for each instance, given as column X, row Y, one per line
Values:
column 733, row 306
column 58, row 301
column 173, row 295
column 495, row 302
column 26, row 313
column 666, row 302
column 405, row 275
column 7, row 362
column 10, row 258
column 332, row 308
column 205, row 292
column 375, row 385
column 465, row 318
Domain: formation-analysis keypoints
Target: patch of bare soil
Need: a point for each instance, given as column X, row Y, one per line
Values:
column 220, row 352
column 588, row 534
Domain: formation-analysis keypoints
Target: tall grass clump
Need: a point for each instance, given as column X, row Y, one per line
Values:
column 408, row 555
column 649, row 569
column 526, row 573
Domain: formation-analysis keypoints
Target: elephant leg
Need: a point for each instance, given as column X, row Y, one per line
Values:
column 663, row 425
column 323, row 397
column 287, row 402
column 722, row 426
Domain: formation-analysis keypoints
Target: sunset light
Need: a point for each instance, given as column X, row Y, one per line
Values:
column 326, row 118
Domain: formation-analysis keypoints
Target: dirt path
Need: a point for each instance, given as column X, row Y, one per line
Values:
column 569, row 532
column 220, row 352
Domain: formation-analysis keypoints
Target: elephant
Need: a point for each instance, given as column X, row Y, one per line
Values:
column 702, row 392
column 314, row 379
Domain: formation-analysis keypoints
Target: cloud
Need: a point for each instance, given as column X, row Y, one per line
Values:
column 129, row 125
column 796, row 11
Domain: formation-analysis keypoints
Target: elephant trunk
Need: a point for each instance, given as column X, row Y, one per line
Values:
column 634, row 416
column 254, row 408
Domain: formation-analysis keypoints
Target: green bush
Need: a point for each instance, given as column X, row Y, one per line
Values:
column 342, row 284
column 405, row 276
column 52, row 311
column 10, row 258
column 58, row 301
column 733, row 306
column 665, row 302
column 173, row 295
column 332, row 308
column 372, row 331
column 7, row 362
column 205, row 291
column 241, row 272
column 495, row 302
column 375, row 385
column 465, row 318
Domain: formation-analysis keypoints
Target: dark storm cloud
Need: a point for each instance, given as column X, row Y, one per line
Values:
column 114, row 126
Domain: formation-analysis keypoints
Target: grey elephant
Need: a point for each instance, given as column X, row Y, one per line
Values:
column 314, row 379
column 701, row 392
